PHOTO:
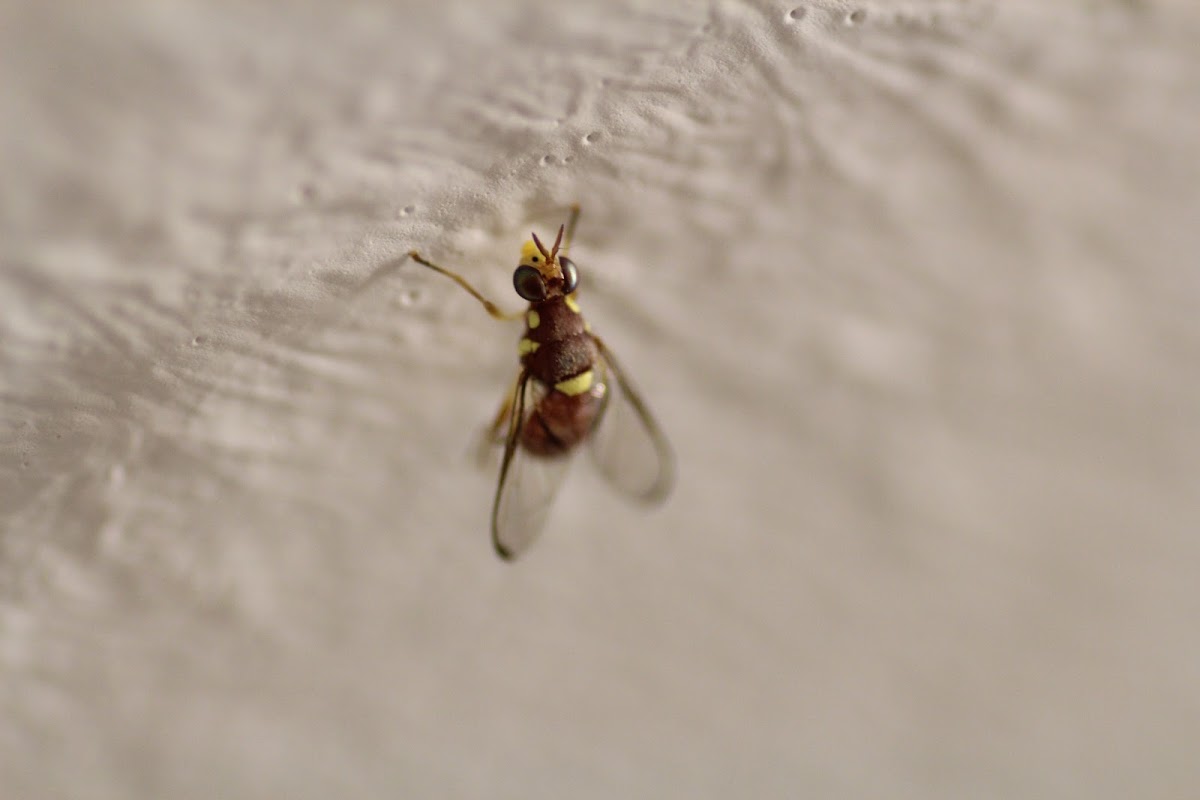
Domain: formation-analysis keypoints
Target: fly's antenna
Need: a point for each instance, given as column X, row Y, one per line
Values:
column 557, row 242
column 540, row 247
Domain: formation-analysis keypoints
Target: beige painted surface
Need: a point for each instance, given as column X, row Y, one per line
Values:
column 912, row 285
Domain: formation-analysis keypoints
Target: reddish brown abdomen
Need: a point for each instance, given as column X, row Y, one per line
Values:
column 560, row 422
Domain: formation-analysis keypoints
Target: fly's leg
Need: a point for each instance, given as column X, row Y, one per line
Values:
column 496, row 432
column 488, row 305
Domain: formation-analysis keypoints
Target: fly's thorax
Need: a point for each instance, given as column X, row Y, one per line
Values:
column 553, row 319
column 555, row 363
column 556, row 345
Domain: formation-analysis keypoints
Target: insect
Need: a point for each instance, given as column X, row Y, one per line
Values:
column 569, row 391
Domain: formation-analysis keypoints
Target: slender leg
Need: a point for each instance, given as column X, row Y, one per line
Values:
column 571, row 220
column 495, row 433
column 491, row 307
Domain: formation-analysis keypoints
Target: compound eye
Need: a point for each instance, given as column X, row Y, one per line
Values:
column 570, row 274
column 529, row 284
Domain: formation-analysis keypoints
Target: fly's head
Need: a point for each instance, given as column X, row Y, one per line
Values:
column 544, row 274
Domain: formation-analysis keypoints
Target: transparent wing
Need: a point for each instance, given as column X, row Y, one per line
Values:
column 528, row 483
column 627, row 445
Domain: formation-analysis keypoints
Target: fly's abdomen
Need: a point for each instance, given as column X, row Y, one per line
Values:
column 561, row 421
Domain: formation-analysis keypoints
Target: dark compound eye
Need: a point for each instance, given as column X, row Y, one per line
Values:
column 570, row 274
column 529, row 284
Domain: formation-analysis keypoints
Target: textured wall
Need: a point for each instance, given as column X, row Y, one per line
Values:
column 912, row 286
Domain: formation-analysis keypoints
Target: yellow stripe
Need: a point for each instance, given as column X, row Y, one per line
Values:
column 571, row 304
column 533, row 319
column 527, row 346
column 577, row 385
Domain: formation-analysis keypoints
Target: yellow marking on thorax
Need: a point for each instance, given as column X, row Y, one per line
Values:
column 526, row 346
column 571, row 304
column 533, row 318
column 577, row 385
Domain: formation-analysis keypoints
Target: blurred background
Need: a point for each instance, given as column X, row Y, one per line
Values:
column 911, row 286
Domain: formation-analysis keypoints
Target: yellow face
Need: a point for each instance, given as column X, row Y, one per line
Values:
column 532, row 257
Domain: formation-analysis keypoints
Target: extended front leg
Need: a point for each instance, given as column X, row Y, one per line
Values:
column 491, row 307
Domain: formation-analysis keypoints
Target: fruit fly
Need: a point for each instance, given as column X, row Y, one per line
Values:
column 569, row 391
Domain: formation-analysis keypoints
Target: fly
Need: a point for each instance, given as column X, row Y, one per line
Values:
column 569, row 392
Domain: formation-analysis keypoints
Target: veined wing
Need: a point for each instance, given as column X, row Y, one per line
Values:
column 528, row 484
column 627, row 445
